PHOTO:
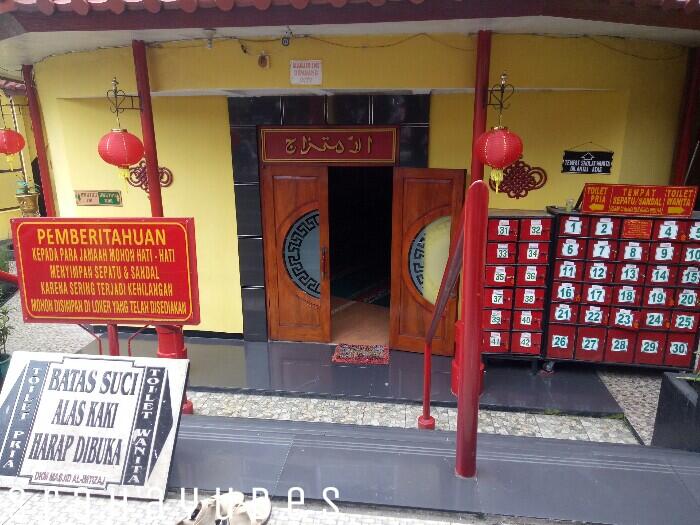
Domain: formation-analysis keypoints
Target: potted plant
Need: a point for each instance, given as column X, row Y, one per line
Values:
column 5, row 329
column 28, row 200
column 677, row 423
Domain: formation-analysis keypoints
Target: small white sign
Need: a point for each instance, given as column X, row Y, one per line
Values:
column 306, row 72
column 102, row 424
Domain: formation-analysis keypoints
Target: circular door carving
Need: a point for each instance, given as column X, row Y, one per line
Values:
column 302, row 253
column 427, row 280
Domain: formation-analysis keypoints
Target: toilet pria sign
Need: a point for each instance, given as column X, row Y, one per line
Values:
column 105, row 425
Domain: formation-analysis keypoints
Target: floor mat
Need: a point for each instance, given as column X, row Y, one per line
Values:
column 361, row 354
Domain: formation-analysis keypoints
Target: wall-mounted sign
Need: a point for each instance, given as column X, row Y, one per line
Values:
column 631, row 199
column 306, row 72
column 107, row 270
column 103, row 424
column 587, row 162
column 637, row 229
column 367, row 145
column 98, row 198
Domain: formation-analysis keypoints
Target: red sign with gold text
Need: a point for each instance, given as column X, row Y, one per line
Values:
column 342, row 145
column 107, row 270
column 631, row 199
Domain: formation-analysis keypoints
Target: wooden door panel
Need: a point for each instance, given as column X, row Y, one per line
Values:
column 295, row 237
column 422, row 197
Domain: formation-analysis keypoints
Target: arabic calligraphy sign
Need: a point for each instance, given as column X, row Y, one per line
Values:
column 631, row 199
column 329, row 145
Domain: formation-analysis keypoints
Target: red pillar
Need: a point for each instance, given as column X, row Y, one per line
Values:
column 689, row 114
column 113, row 339
column 171, row 341
column 39, row 142
column 473, row 265
column 481, row 93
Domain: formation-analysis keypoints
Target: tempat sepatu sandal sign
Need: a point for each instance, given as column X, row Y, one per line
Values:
column 105, row 425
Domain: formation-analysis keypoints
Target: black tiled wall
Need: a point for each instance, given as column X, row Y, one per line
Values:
column 410, row 112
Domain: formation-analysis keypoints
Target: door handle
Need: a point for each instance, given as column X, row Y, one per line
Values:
column 324, row 263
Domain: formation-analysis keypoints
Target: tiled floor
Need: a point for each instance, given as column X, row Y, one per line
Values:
column 638, row 395
column 405, row 416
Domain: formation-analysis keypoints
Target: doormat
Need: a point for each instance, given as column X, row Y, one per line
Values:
column 348, row 354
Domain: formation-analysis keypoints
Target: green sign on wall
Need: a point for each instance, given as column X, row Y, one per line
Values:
column 98, row 198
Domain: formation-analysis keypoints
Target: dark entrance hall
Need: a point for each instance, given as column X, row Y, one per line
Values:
column 359, row 205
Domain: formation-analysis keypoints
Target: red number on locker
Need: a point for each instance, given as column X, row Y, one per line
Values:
column 627, row 273
column 500, row 253
column 691, row 253
column 531, row 275
column 597, row 294
column 572, row 226
column 684, row 321
column 627, row 295
column 689, row 276
column 527, row 320
column 535, row 229
column 496, row 342
column 566, row 292
column 498, row 298
column 601, row 272
column 670, row 230
column 526, row 342
column 503, row 229
column 661, row 274
column 658, row 297
column 533, row 252
column 658, row 319
column 666, row 252
column 496, row 319
column 687, row 298
column 650, row 348
column 529, row 298
column 560, row 341
column 571, row 248
column 679, row 350
column 605, row 227
column 500, row 276
column 563, row 313
column 590, row 343
column 568, row 270
column 624, row 318
column 633, row 251
column 602, row 249
column 620, row 345
column 592, row 314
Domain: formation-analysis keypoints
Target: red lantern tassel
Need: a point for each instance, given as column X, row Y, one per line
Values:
column 497, row 177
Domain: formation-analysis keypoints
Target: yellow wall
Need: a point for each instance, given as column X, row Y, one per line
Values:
column 572, row 90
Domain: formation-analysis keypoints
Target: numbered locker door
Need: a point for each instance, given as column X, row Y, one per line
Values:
column 426, row 206
column 295, row 221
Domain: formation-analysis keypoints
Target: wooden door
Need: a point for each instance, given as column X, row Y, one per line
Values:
column 295, row 236
column 426, row 206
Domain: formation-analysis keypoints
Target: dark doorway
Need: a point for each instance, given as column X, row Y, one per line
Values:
column 359, row 207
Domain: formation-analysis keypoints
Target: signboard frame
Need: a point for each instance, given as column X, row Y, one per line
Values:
column 186, row 225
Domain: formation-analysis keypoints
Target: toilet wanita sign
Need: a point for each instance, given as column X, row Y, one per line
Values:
column 106, row 425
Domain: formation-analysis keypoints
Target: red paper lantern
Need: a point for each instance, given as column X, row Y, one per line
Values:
column 120, row 148
column 11, row 142
column 498, row 148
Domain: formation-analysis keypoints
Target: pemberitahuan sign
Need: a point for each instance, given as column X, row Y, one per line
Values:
column 332, row 145
column 631, row 199
column 99, row 424
column 107, row 270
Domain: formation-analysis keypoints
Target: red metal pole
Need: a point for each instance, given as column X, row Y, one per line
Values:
column 113, row 338
column 481, row 89
column 425, row 420
column 689, row 110
column 39, row 142
column 171, row 340
column 473, row 265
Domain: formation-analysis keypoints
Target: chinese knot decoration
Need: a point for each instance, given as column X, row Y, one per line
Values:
column 519, row 179
column 120, row 148
column 138, row 176
column 498, row 148
column 11, row 143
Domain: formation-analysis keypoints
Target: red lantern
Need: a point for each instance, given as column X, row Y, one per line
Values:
column 11, row 142
column 120, row 148
column 498, row 148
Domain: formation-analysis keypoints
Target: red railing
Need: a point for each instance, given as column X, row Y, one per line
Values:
column 468, row 256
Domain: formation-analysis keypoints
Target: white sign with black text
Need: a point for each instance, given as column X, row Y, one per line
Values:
column 96, row 423
column 305, row 72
